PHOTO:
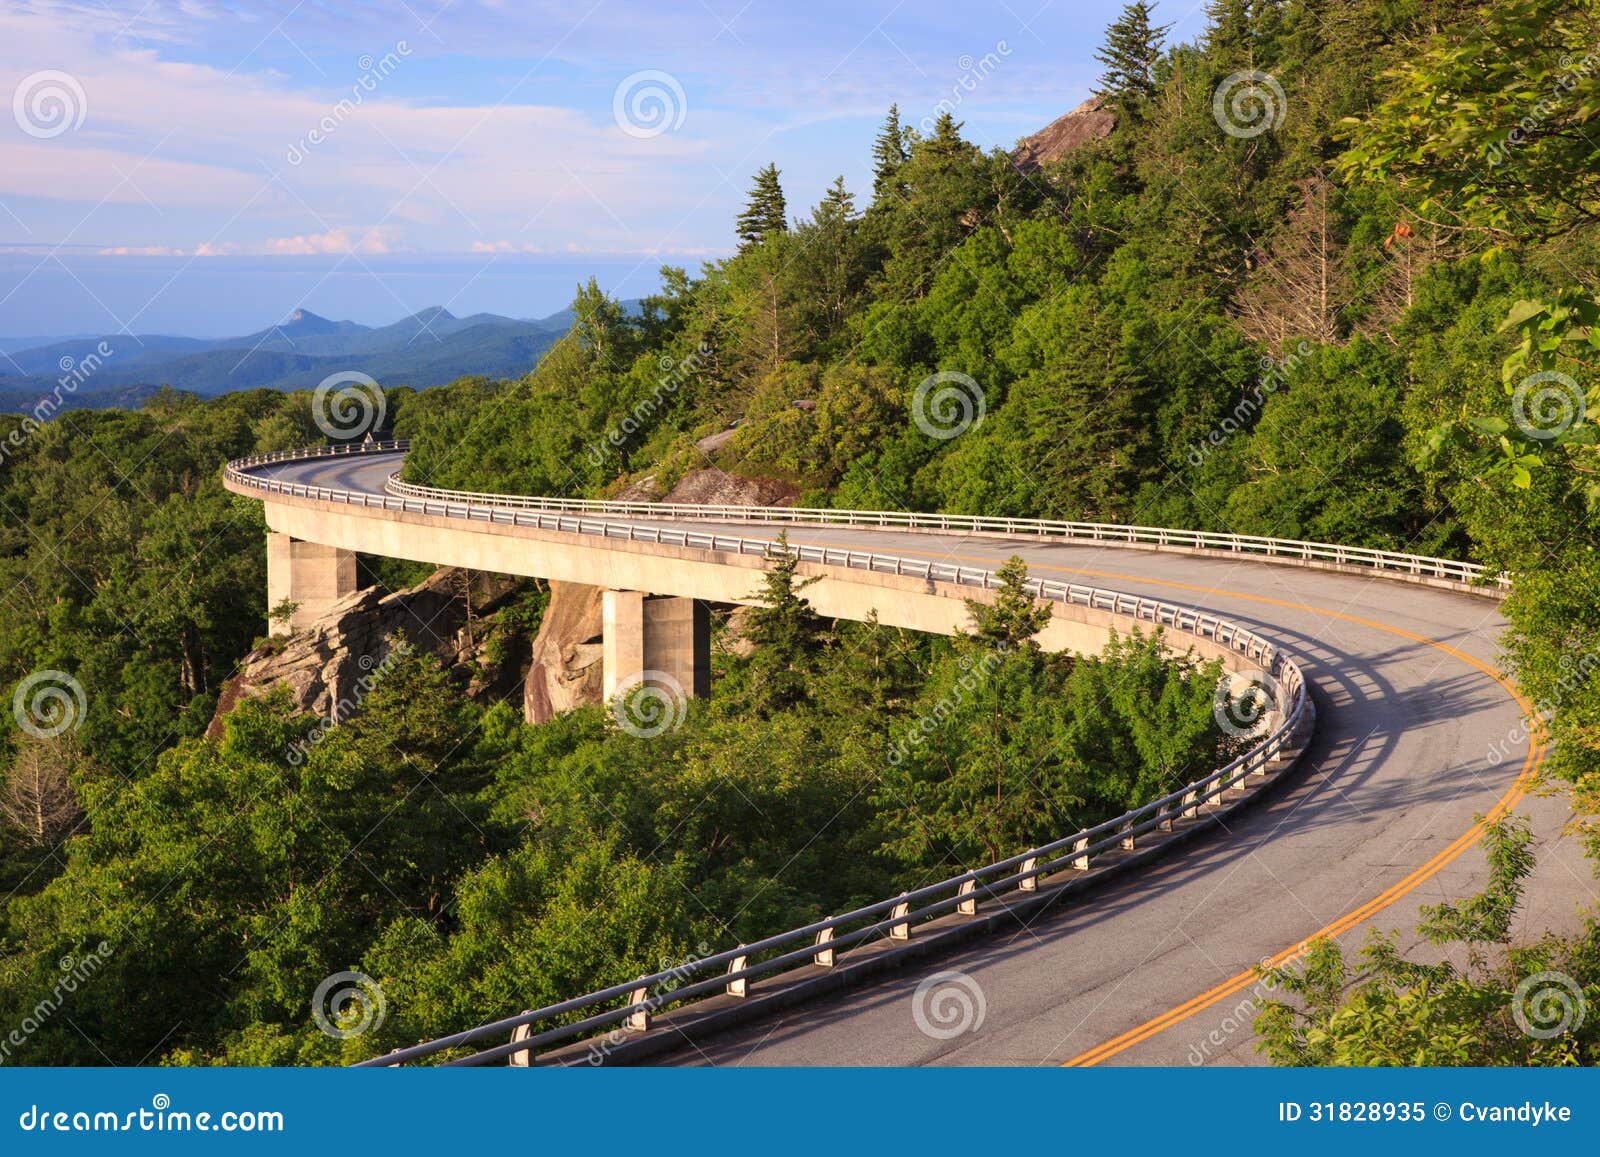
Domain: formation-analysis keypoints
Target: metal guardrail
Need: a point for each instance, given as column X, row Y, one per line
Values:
column 1281, row 549
column 896, row 918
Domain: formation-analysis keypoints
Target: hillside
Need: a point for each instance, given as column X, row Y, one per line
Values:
column 427, row 349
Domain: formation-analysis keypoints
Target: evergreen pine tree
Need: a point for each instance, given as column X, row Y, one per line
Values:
column 1130, row 53
column 786, row 632
column 1015, row 616
column 889, row 153
column 765, row 212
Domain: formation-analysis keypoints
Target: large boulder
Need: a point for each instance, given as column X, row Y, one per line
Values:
column 324, row 663
column 565, row 671
column 1090, row 121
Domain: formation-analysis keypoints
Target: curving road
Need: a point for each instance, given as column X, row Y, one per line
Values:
column 1155, row 969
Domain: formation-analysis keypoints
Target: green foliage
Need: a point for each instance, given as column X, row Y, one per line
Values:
column 766, row 212
column 1404, row 1013
column 1130, row 53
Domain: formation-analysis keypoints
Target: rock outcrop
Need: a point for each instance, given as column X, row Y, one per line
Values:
column 566, row 670
column 323, row 663
column 1090, row 121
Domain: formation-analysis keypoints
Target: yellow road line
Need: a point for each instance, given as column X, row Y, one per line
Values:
column 1378, row 903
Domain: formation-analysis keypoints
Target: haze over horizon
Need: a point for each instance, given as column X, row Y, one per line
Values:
column 205, row 168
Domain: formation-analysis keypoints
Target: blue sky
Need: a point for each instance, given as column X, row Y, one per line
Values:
column 204, row 167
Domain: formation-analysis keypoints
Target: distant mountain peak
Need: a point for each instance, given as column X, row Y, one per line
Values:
column 303, row 321
column 433, row 313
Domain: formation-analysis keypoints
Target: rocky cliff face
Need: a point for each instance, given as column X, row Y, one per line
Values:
column 1090, row 121
column 322, row 664
column 565, row 671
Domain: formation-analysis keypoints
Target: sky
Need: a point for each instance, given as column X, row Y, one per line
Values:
column 205, row 167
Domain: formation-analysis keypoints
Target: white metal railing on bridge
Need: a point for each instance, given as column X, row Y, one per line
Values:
column 896, row 918
column 1280, row 549
column 1286, row 550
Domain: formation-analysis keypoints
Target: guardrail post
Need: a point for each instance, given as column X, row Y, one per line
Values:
column 968, row 907
column 1081, row 863
column 900, row 931
column 1127, row 837
column 823, row 957
column 1190, row 808
column 639, row 1018
column 738, row 986
column 1029, row 881
column 523, row 1059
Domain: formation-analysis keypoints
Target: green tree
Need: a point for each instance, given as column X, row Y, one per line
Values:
column 787, row 634
column 1015, row 616
column 1130, row 53
column 890, row 151
column 765, row 211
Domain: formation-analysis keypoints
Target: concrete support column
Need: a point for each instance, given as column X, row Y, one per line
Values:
column 308, row 574
column 656, row 639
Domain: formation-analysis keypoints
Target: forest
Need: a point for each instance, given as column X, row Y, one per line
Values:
column 1349, row 297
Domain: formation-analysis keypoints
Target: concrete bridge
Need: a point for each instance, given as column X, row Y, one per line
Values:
column 1418, row 735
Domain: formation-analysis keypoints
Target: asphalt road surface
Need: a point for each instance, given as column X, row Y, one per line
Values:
column 1153, row 970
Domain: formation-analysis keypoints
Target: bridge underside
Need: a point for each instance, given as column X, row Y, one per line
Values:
column 655, row 607
column 660, row 640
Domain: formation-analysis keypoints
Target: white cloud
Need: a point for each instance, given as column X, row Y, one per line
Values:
column 370, row 241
